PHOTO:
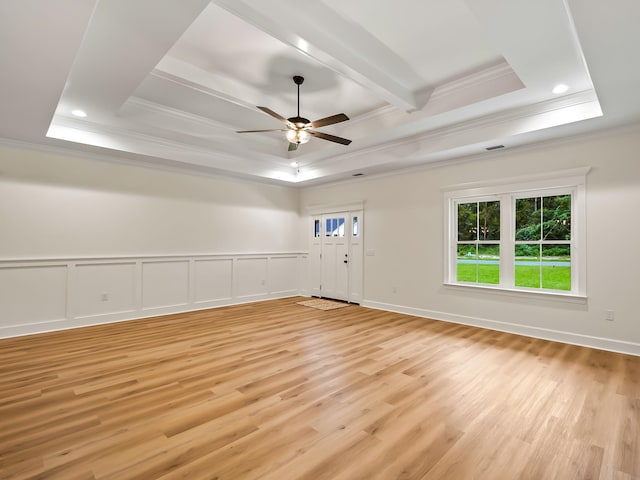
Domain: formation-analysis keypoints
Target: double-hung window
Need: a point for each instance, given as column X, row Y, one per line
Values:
column 524, row 235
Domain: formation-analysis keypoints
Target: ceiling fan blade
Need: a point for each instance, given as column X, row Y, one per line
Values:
column 260, row 131
column 292, row 147
column 268, row 111
column 340, row 117
column 331, row 138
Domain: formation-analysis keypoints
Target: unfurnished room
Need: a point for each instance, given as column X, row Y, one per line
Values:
column 306, row 240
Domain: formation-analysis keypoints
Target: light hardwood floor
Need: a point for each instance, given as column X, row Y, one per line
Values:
column 275, row 390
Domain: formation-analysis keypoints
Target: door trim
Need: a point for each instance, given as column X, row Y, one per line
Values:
column 312, row 210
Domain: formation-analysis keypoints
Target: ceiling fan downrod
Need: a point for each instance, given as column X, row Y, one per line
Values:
column 298, row 121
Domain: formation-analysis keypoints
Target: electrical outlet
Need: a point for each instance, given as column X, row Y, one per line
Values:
column 104, row 296
column 609, row 315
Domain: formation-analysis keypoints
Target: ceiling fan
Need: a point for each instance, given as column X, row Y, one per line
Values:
column 299, row 128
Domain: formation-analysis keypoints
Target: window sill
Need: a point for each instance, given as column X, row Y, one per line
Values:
column 517, row 293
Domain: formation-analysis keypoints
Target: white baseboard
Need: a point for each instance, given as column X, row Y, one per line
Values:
column 609, row 344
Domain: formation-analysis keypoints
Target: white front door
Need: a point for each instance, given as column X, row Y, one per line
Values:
column 335, row 256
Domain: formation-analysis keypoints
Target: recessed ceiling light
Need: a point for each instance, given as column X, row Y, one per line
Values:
column 294, row 164
column 560, row 88
column 303, row 45
column 79, row 113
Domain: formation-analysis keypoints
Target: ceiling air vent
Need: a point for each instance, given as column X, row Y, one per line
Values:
column 495, row 147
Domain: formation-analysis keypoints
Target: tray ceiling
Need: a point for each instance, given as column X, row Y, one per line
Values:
column 169, row 83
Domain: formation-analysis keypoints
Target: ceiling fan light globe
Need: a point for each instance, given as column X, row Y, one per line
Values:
column 298, row 136
column 303, row 136
column 291, row 136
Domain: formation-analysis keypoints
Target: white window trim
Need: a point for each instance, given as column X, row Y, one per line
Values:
column 573, row 180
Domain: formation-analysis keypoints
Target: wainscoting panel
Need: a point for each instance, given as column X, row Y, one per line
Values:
column 281, row 279
column 165, row 284
column 39, row 295
column 32, row 294
column 304, row 275
column 213, row 280
column 252, row 277
column 104, row 288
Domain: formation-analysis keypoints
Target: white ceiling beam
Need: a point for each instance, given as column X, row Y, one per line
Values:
column 343, row 47
column 191, row 76
column 124, row 42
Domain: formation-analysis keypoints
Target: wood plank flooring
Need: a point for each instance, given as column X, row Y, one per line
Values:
column 275, row 390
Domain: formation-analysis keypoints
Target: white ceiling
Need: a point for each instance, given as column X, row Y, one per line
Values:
column 169, row 82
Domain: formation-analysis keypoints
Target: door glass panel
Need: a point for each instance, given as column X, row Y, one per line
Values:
column 334, row 227
column 356, row 231
column 341, row 227
column 316, row 228
column 327, row 229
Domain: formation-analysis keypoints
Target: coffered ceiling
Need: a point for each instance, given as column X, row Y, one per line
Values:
column 169, row 83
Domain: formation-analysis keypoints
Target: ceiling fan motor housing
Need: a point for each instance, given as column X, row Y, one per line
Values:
column 299, row 122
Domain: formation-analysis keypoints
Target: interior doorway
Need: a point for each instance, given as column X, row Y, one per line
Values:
column 336, row 255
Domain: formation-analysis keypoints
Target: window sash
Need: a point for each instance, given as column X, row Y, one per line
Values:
column 569, row 182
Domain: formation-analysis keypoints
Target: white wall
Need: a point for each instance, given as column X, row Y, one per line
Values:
column 56, row 206
column 404, row 227
column 84, row 241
